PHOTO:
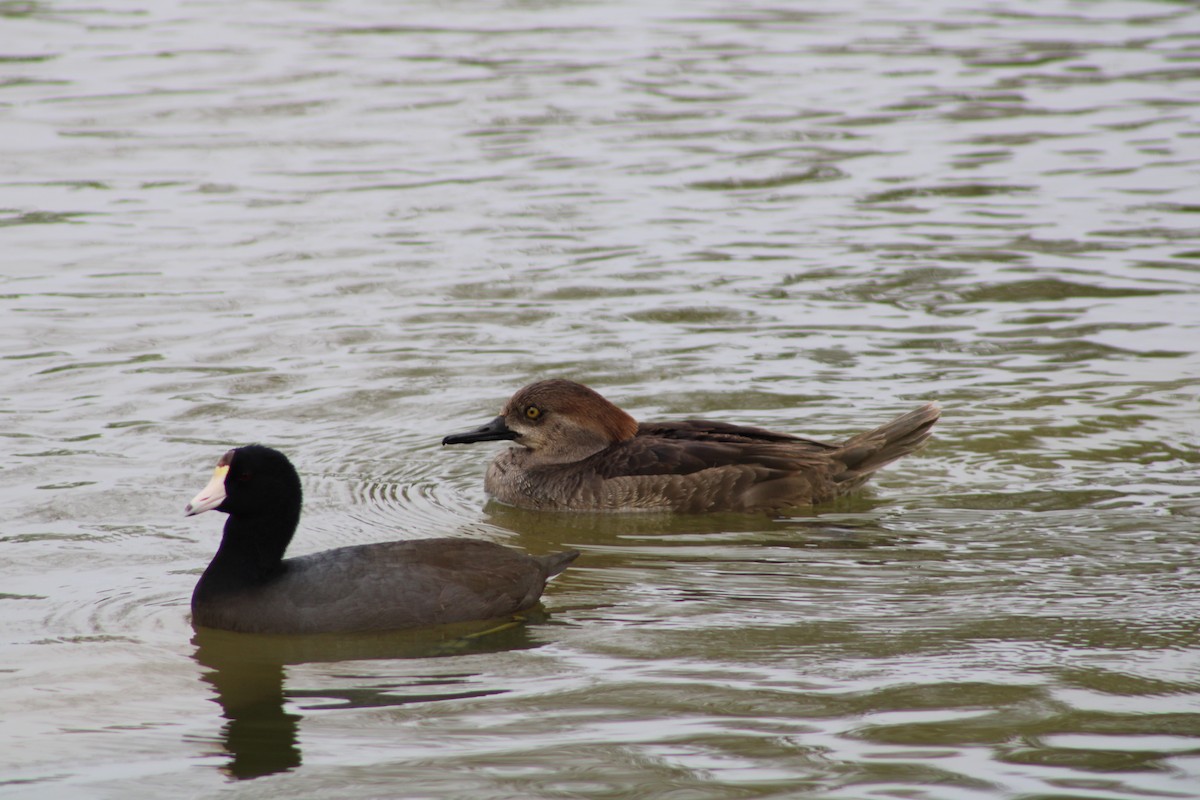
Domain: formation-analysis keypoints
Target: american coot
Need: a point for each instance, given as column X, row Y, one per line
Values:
column 250, row 587
column 579, row 452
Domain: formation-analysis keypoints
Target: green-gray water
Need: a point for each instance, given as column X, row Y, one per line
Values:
column 347, row 228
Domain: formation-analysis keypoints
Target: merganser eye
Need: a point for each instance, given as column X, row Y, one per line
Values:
column 533, row 412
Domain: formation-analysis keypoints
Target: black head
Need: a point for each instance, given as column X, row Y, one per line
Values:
column 248, row 481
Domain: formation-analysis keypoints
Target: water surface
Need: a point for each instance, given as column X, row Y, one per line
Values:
column 345, row 229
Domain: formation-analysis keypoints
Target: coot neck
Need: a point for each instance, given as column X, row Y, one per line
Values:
column 251, row 552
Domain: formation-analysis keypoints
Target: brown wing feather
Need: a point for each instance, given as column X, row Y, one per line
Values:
column 651, row 454
column 696, row 475
column 709, row 430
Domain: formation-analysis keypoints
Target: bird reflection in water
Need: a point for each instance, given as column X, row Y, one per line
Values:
column 247, row 673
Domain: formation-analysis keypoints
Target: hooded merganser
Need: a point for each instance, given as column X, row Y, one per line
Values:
column 576, row 451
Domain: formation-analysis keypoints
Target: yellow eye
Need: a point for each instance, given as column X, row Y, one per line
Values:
column 533, row 412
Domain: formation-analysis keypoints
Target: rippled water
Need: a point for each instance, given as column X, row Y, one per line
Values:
column 347, row 228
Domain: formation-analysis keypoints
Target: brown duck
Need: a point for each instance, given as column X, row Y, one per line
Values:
column 251, row 587
column 576, row 451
